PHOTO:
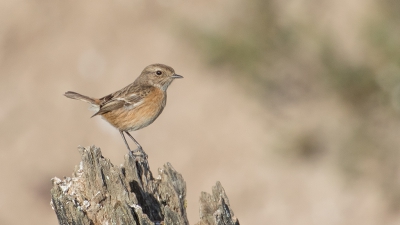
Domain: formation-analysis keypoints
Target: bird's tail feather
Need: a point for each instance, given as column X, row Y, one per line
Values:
column 74, row 95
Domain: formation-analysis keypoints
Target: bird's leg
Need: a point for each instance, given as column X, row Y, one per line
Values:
column 126, row 143
column 137, row 143
column 133, row 139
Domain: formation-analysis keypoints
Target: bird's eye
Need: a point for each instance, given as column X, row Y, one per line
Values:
column 158, row 72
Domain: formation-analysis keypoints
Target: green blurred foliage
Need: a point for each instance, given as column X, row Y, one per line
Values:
column 355, row 83
column 251, row 44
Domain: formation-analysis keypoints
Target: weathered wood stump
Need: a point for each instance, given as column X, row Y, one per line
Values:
column 100, row 193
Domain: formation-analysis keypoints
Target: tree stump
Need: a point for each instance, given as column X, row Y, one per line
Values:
column 100, row 193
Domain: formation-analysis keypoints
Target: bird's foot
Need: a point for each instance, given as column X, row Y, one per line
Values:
column 138, row 153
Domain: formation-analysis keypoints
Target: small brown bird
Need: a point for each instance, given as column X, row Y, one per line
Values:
column 137, row 105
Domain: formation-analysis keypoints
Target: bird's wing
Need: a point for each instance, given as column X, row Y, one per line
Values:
column 109, row 106
column 122, row 98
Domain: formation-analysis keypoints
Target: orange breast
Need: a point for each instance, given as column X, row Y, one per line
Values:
column 130, row 119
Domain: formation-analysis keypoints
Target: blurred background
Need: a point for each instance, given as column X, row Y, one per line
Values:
column 293, row 105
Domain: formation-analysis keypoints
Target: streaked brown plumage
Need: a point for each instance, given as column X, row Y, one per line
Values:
column 138, row 104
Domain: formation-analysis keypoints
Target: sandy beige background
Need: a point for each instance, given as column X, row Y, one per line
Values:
column 292, row 105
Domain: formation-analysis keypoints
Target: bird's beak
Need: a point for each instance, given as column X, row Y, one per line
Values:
column 176, row 76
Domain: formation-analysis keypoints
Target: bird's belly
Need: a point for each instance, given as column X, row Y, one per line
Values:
column 130, row 119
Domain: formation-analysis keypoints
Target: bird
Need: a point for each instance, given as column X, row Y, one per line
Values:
column 135, row 106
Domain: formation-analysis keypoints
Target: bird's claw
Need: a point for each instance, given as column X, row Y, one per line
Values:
column 138, row 153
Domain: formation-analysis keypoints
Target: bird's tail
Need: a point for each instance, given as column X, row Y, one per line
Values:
column 74, row 95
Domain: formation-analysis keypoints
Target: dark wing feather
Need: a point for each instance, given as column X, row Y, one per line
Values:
column 132, row 99
column 109, row 106
column 106, row 98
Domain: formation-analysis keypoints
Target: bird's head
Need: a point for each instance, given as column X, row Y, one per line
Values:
column 158, row 75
